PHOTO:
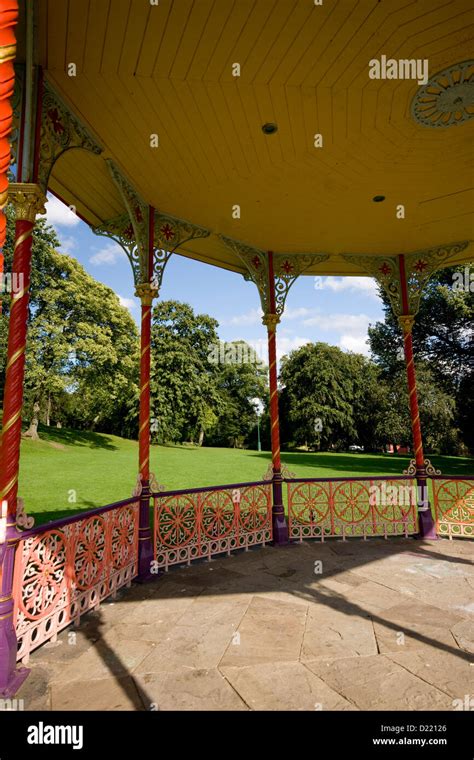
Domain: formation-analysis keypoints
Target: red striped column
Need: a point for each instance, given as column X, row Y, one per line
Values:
column 8, row 20
column 427, row 527
column 280, row 526
column 28, row 201
column 146, row 293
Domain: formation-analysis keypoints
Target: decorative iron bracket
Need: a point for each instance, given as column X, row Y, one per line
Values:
column 419, row 266
column 60, row 131
column 287, row 268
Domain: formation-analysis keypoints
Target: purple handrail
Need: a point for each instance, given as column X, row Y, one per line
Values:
column 62, row 521
column 211, row 488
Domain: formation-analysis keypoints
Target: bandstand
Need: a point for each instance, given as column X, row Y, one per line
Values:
column 247, row 136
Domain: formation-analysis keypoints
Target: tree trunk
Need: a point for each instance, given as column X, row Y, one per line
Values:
column 201, row 437
column 48, row 412
column 32, row 431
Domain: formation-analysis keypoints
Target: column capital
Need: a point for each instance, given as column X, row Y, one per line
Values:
column 406, row 322
column 27, row 199
column 146, row 292
column 271, row 320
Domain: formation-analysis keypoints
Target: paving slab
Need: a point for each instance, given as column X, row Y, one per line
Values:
column 378, row 683
column 260, row 630
column 284, row 686
column 188, row 689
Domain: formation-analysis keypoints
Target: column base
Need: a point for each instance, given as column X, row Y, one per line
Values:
column 145, row 560
column 280, row 529
column 427, row 526
column 16, row 680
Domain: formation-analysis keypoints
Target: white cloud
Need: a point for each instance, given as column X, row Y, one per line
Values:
column 128, row 303
column 68, row 244
column 365, row 285
column 302, row 311
column 356, row 343
column 60, row 215
column 252, row 317
column 109, row 254
column 349, row 323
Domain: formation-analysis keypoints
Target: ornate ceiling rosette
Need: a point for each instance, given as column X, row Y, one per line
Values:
column 447, row 99
column 61, row 130
column 169, row 234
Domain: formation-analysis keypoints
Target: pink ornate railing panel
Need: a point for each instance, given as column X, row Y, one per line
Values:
column 325, row 508
column 68, row 567
column 454, row 506
column 205, row 522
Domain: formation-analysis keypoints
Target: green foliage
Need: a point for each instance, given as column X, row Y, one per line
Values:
column 82, row 348
column 443, row 344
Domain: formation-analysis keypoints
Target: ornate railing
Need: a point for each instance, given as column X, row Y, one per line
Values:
column 67, row 567
column 203, row 522
column 453, row 498
column 344, row 507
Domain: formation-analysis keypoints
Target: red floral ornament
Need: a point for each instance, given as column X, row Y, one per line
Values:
column 256, row 262
column 421, row 265
column 385, row 269
column 128, row 232
column 287, row 267
column 53, row 114
column 167, row 231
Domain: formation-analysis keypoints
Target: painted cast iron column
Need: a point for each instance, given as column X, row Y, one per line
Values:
column 28, row 201
column 406, row 320
column 146, row 292
column 280, row 526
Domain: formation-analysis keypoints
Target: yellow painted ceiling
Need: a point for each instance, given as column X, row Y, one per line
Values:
column 168, row 70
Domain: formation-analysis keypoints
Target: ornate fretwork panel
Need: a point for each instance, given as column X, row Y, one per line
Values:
column 419, row 266
column 61, row 130
column 121, row 230
column 256, row 263
column 169, row 234
column 385, row 270
column 138, row 221
column 16, row 104
column 286, row 268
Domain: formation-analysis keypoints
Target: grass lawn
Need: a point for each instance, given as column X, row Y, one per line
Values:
column 97, row 469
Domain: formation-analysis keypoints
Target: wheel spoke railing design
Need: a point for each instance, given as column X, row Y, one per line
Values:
column 324, row 507
column 454, row 506
column 204, row 522
column 67, row 567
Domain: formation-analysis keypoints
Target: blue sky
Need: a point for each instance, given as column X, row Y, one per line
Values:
column 335, row 310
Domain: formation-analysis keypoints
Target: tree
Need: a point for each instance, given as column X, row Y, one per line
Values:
column 82, row 352
column 185, row 399
column 242, row 377
column 323, row 394
column 442, row 340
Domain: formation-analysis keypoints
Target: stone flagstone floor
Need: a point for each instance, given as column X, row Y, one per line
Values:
column 386, row 625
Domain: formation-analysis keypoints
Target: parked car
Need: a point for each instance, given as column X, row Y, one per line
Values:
column 355, row 447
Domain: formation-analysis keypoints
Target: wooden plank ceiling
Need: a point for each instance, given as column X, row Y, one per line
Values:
column 167, row 70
